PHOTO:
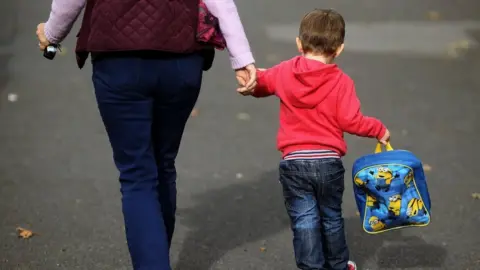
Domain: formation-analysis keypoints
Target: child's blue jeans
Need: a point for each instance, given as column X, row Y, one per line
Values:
column 313, row 191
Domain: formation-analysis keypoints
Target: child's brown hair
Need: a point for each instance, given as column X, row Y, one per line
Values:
column 322, row 31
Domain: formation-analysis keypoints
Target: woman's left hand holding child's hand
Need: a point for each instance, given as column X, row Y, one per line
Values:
column 247, row 79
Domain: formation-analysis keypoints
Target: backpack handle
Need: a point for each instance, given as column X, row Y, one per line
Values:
column 378, row 149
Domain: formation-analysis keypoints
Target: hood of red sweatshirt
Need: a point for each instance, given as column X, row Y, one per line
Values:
column 314, row 81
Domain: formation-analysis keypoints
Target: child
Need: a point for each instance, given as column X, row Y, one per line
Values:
column 318, row 104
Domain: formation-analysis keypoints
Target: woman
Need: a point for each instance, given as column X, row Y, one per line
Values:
column 147, row 72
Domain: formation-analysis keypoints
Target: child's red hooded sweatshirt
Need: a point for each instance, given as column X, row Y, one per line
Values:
column 318, row 104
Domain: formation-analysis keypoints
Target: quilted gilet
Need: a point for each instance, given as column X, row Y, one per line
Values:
column 138, row 25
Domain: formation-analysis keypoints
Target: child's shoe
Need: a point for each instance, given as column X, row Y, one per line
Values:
column 352, row 265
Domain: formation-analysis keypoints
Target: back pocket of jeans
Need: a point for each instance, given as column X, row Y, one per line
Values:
column 190, row 70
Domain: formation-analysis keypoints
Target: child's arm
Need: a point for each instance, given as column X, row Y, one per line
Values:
column 266, row 79
column 352, row 120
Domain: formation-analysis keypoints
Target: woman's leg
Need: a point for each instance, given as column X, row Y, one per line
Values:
column 125, row 99
column 178, row 90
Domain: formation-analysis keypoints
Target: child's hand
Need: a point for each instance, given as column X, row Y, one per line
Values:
column 241, row 83
column 246, row 93
column 384, row 140
column 247, row 78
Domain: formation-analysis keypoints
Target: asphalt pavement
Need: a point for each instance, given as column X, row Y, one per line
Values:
column 57, row 176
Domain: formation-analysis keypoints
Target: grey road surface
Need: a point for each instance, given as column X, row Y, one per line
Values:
column 57, row 176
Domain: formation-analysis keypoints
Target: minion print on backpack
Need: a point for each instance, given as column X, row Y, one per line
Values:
column 390, row 190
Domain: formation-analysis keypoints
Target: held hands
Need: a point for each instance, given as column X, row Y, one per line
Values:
column 386, row 138
column 247, row 79
column 42, row 39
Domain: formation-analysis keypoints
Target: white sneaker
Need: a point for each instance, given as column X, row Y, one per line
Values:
column 352, row 265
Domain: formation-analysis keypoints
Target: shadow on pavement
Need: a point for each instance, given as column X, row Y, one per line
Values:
column 226, row 218
column 230, row 217
column 392, row 250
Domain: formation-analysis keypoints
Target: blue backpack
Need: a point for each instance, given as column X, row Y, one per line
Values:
column 390, row 190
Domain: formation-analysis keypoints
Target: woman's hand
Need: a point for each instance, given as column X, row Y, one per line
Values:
column 42, row 39
column 247, row 79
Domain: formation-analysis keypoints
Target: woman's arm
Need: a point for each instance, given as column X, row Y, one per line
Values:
column 232, row 30
column 64, row 13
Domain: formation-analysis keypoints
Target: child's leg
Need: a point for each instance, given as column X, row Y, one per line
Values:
column 329, row 196
column 303, row 211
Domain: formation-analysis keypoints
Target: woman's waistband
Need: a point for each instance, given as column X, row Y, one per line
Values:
column 140, row 54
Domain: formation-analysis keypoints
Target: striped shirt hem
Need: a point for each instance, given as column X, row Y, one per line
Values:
column 311, row 154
